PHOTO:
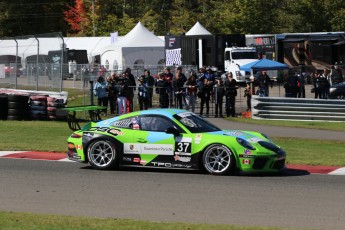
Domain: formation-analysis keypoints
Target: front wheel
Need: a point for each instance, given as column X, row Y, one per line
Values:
column 218, row 159
column 102, row 155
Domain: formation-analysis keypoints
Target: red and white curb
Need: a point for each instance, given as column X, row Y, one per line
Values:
column 35, row 155
column 52, row 156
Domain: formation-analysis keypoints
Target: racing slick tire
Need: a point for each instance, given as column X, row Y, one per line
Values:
column 102, row 154
column 217, row 159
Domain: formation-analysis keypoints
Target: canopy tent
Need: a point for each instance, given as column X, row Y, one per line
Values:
column 264, row 64
column 139, row 47
column 198, row 29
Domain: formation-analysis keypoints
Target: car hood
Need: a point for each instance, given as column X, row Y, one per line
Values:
column 246, row 135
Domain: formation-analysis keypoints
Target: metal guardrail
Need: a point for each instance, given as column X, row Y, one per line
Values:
column 302, row 109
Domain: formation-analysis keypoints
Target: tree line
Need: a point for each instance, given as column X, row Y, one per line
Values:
column 101, row 17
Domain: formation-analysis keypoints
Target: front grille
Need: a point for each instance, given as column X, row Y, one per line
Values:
column 279, row 164
column 260, row 162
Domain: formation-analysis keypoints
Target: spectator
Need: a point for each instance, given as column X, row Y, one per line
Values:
column 162, row 88
column 209, row 75
column 326, row 82
column 121, row 89
column 191, row 91
column 178, row 84
column 219, row 92
column 291, row 86
column 169, row 78
column 143, row 94
column 184, row 78
column 249, row 92
column 205, row 94
column 131, row 88
column 112, row 94
column 317, row 84
column 230, row 95
column 301, row 87
column 150, row 81
column 100, row 91
column 264, row 82
column 337, row 74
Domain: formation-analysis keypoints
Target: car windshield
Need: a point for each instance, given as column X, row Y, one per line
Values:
column 194, row 123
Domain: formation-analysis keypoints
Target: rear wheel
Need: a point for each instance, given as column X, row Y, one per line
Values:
column 218, row 159
column 102, row 155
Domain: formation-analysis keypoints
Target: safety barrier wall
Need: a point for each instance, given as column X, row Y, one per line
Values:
column 281, row 108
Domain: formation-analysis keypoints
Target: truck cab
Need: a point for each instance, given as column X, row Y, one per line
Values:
column 234, row 57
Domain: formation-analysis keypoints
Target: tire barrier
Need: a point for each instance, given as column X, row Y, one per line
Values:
column 53, row 105
column 26, row 106
column 17, row 107
column 38, row 107
column 3, row 107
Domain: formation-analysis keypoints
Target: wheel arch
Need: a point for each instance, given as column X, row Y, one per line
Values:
column 117, row 143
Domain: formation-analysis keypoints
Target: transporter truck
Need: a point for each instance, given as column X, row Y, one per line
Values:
column 234, row 57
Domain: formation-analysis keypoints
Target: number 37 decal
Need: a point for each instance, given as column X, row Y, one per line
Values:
column 183, row 146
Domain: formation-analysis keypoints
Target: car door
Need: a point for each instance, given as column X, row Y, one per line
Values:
column 158, row 148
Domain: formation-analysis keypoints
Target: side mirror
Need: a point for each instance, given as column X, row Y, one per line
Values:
column 172, row 130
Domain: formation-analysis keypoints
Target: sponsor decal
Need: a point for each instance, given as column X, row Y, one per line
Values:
column 247, row 151
column 136, row 160
column 157, row 149
column 112, row 131
column 142, row 162
column 116, row 132
column 182, row 159
column 79, row 147
column 246, row 156
column 170, row 165
column 185, row 114
column 88, row 135
column 246, row 161
column 255, row 139
column 183, row 139
column 197, row 138
column 183, row 147
column 131, row 148
column 234, row 133
column 127, row 159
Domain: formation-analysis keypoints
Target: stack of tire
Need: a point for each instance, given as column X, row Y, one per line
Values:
column 53, row 105
column 38, row 107
column 18, row 107
column 3, row 107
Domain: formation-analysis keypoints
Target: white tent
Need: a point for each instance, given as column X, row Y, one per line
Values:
column 198, row 29
column 138, row 48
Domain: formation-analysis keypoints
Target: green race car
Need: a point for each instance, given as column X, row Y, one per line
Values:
column 173, row 138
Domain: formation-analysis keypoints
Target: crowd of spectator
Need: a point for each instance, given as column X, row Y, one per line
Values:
column 176, row 90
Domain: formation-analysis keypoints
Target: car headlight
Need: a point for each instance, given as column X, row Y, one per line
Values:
column 245, row 143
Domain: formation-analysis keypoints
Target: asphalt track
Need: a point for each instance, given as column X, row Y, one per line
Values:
column 294, row 199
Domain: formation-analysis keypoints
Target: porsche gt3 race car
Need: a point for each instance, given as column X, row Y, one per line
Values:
column 173, row 138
